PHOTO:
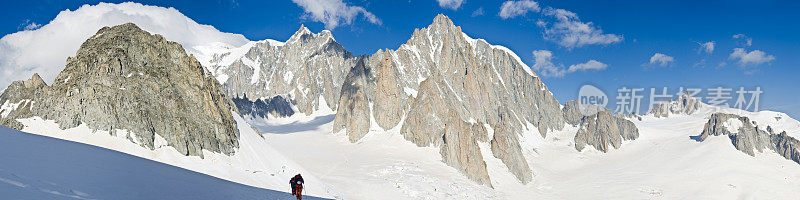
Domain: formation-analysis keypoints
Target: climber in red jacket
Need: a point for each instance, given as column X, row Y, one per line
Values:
column 297, row 186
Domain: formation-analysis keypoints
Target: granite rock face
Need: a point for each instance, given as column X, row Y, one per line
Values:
column 505, row 146
column 604, row 130
column 124, row 78
column 746, row 136
column 460, row 148
column 353, row 108
column 786, row 146
column 441, row 77
column 390, row 99
column 305, row 69
column 572, row 113
column 684, row 104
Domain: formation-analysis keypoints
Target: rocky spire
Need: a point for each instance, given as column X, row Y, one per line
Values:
column 34, row 81
column 300, row 34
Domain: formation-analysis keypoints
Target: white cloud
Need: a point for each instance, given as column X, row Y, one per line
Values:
column 45, row 50
column 590, row 65
column 708, row 47
column 511, row 9
column 333, row 13
column 451, row 4
column 477, row 12
column 743, row 40
column 661, row 59
column 568, row 30
column 544, row 65
column 751, row 58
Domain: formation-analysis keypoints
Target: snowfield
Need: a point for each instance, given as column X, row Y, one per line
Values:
column 255, row 163
column 663, row 163
column 38, row 167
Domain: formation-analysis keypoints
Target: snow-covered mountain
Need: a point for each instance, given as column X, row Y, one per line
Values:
column 442, row 88
column 443, row 116
column 471, row 100
column 137, row 93
column 306, row 68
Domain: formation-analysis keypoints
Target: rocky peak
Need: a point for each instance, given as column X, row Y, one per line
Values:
column 440, row 28
column 34, row 81
column 440, row 80
column 303, row 69
column 441, row 21
column 129, row 82
column 300, row 35
column 683, row 104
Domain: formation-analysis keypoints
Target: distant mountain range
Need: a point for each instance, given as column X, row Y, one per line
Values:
column 440, row 89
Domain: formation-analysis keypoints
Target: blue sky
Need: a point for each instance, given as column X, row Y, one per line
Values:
column 673, row 28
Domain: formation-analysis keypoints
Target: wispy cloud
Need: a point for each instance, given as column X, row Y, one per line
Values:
column 743, row 40
column 450, row 4
column 752, row 58
column 32, row 26
column 28, row 25
column 334, row 13
column 707, row 47
column 477, row 12
column 511, row 9
column 544, row 65
column 660, row 59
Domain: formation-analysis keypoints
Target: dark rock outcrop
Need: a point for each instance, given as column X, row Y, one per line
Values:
column 276, row 106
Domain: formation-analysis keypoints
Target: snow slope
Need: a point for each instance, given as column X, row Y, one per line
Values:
column 664, row 163
column 38, row 167
column 382, row 165
column 255, row 163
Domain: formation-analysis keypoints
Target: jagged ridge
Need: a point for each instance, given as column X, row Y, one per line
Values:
column 305, row 68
